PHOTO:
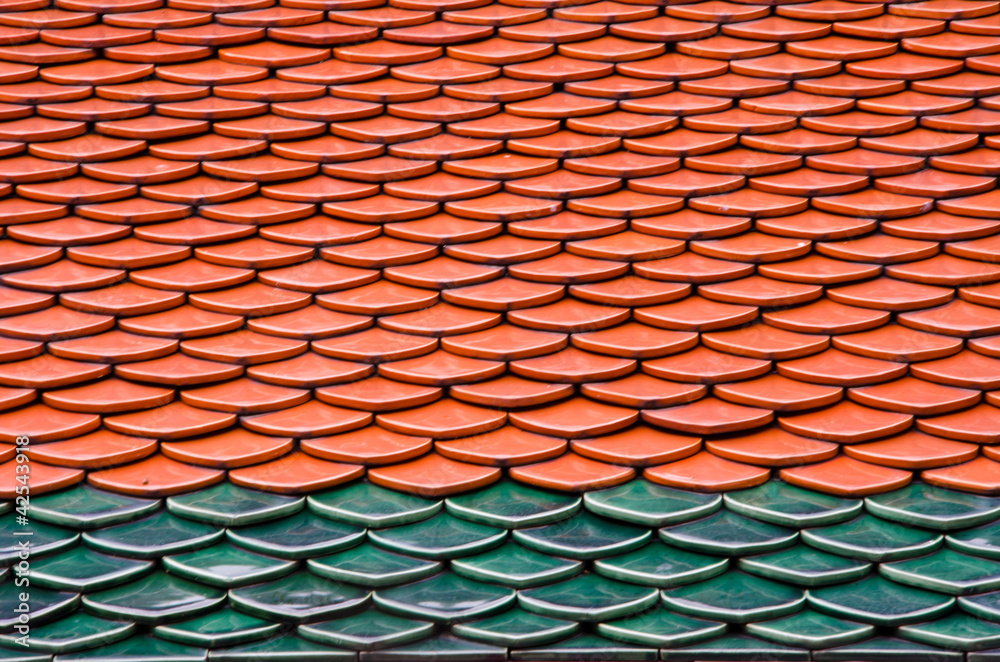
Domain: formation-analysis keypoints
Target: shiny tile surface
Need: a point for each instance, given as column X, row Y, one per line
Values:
column 519, row 329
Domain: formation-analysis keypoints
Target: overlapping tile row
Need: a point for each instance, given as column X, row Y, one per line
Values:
column 512, row 572
column 455, row 247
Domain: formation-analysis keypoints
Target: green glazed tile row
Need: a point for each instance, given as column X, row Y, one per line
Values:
column 636, row 572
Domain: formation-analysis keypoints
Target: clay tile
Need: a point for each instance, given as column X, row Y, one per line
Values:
column 705, row 472
column 43, row 423
column 505, row 342
column 708, row 416
column 230, row 449
column 444, row 419
column 723, row 47
column 180, row 322
column 673, row 67
column 445, row 147
column 155, row 476
column 898, row 343
column 778, row 393
column 797, row 103
column 846, row 477
column 696, row 314
column 434, row 476
column 718, row 11
column 891, row 294
column 978, row 424
column 958, row 318
column 312, row 419
column 87, row 148
column 914, row 450
column 573, row 366
column 575, row 418
column 499, row 51
column 773, row 448
column 778, row 28
column 847, row 422
column 441, row 368
column 96, row 450
column 630, row 291
column 510, row 391
column 505, row 447
column 966, row 369
column 112, row 347
column 44, row 478
column 173, row 421
column 378, row 297
column 378, row 394
column 108, row 396
column 553, row 30
column 865, row 162
column 243, row 348
column 370, row 446
column 838, row 368
column 492, row 14
column 295, row 473
column 638, row 447
column 659, row 28
column 914, row 396
column 979, row 475
column 46, row 371
column 572, row 473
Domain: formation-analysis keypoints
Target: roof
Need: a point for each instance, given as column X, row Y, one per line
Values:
column 520, row 329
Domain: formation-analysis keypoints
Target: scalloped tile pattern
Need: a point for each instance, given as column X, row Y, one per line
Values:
column 509, row 255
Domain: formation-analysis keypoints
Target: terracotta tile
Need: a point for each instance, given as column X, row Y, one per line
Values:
column 569, row 316
column 374, row 345
column 441, row 368
column 55, row 323
column 178, row 369
column 510, row 391
column 575, row 418
column 173, row 421
column 113, row 347
column 295, row 473
column 765, row 342
column 244, row 396
column 434, row 476
column 572, row 366
column 371, row 446
column 44, row 423
column 705, row 366
column 378, row 394
column 243, row 348
column 772, row 448
column 444, row 419
column 708, row 416
column 155, row 476
column 695, row 314
column 504, row 294
column 504, row 342
column 979, row 475
column 312, row 419
column 572, row 473
column 914, row 450
column 636, row 341
column 846, row 477
column 958, row 318
column 96, row 450
column 847, row 423
column 705, row 472
column 226, row 450
column 898, row 343
column 891, row 294
column 44, row 478
column 181, row 322
column 505, row 447
column 758, row 291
